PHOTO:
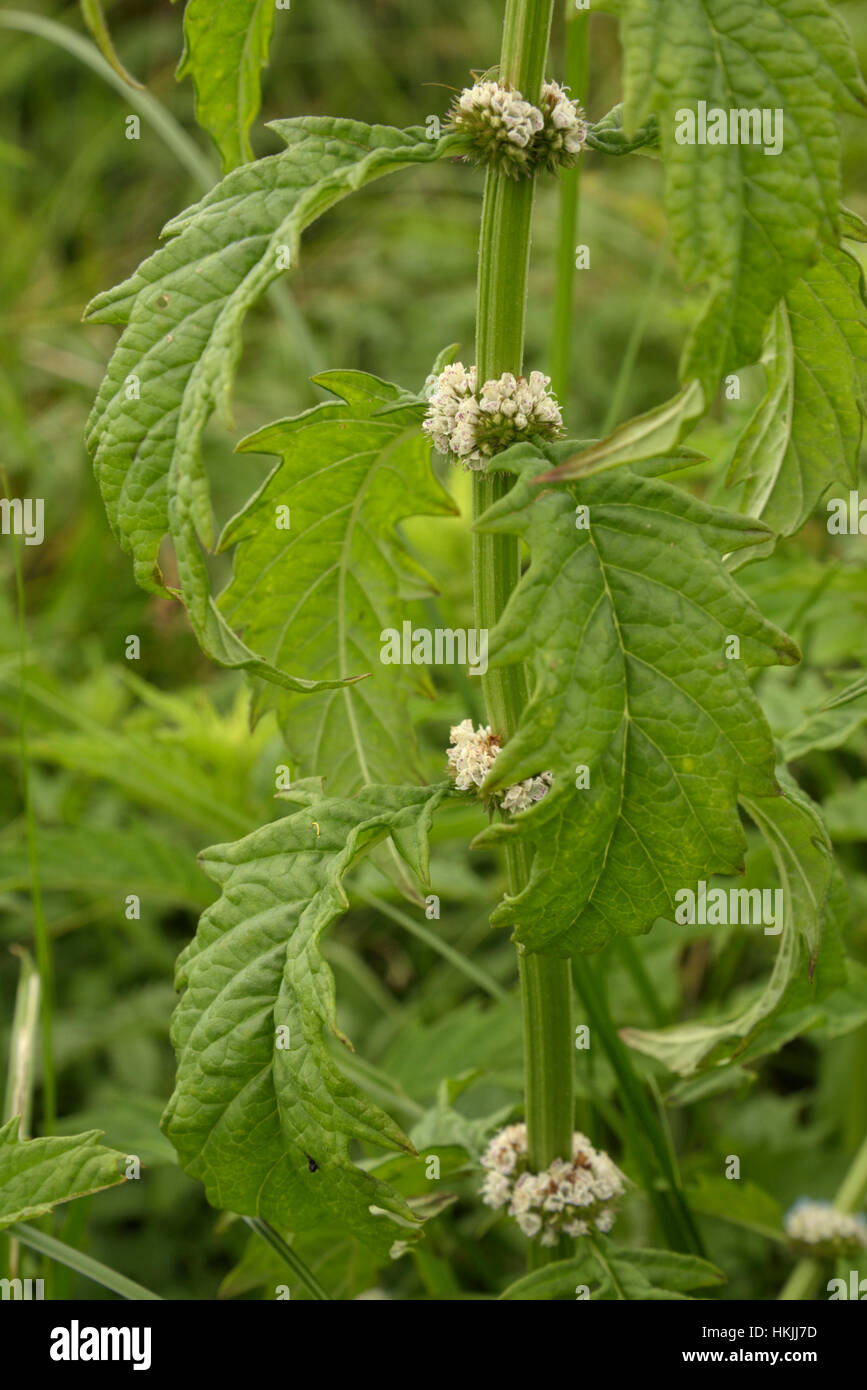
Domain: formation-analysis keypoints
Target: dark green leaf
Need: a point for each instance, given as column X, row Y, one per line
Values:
column 264, row 1117
column 316, row 597
column 626, row 623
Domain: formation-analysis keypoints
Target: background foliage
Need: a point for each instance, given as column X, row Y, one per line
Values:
column 136, row 766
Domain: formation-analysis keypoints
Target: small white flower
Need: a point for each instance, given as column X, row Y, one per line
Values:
column 565, row 129
column 530, row 1223
column 502, row 126
column 496, row 1190
column 471, row 758
column 525, row 794
column 819, row 1224
column 546, row 1204
column 476, row 425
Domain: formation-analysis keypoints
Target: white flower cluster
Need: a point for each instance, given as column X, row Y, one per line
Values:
column 572, row 1198
column 564, row 125
column 508, row 131
column 470, row 760
column 503, row 111
column 474, row 426
column 815, row 1224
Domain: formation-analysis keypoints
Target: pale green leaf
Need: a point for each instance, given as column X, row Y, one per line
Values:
column 267, row 1127
column 739, row 1202
column 806, row 433
column 626, row 624
column 799, row 844
column 612, row 1272
column 743, row 222
column 608, row 136
column 182, row 313
column 651, row 435
column 38, row 1174
column 100, row 860
column 225, row 48
column 314, row 598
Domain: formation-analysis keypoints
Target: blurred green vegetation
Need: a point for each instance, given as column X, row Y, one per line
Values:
column 135, row 766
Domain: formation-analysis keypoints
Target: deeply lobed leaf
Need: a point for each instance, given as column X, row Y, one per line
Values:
column 261, row 1113
column 806, row 433
column 182, row 313
column 316, row 597
column 38, row 1174
column 745, row 222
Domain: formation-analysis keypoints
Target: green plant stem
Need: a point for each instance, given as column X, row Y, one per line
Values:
column 647, row 1137
column 639, row 328
column 74, row 1259
column 577, row 23
column 504, row 254
column 44, row 953
column 170, row 132
column 295, row 1263
column 805, row 1277
column 460, row 962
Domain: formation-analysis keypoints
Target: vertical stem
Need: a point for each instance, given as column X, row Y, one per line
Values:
column 577, row 22
column 44, row 954
column 504, row 253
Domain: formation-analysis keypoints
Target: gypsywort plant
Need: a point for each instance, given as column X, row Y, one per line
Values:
column 613, row 736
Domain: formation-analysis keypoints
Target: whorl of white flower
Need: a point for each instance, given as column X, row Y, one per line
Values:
column 816, row 1224
column 474, row 425
column 472, row 754
column 564, row 131
column 471, row 758
column 500, row 122
column 524, row 794
column 570, row 1197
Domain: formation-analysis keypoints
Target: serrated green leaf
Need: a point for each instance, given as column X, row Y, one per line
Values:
column 612, row 1272
column 316, row 597
column 793, row 829
column 36, row 1175
column 625, row 623
column 744, row 222
column 608, row 136
column 225, row 48
column 248, row 1116
column 806, row 433
column 182, row 313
